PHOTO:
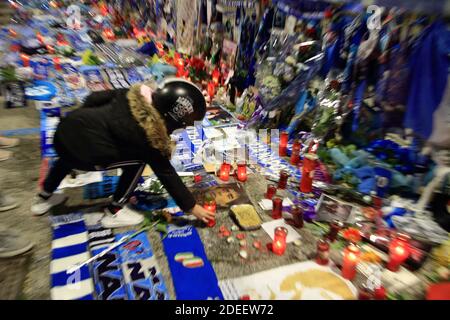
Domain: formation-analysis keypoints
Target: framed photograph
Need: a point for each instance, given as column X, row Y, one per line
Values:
column 224, row 195
column 329, row 209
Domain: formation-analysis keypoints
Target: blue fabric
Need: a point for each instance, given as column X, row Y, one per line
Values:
column 383, row 180
column 64, row 226
column 198, row 283
column 367, row 185
column 149, row 48
column 143, row 278
column 69, row 230
column 87, row 297
column 358, row 99
column 69, row 251
column 41, row 91
column 339, row 157
column 109, row 282
column 429, row 71
column 60, row 278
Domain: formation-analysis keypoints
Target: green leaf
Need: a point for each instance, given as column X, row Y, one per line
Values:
column 161, row 227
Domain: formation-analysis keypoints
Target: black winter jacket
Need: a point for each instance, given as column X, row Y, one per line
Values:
column 119, row 125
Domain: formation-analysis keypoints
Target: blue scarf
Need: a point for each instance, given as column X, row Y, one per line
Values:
column 142, row 274
column 193, row 275
column 106, row 270
column 69, row 247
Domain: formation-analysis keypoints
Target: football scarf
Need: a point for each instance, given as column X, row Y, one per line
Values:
column 106, row 270
column 141, row 271
column 70, row 247
column 14, row 93
column 116, row 78
column 132, row 75
column 95, row 80
column 193, row 275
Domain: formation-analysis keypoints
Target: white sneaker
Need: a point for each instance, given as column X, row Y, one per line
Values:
column 7, row 203
column 41, row 206
column 8, row 142
column 125, row 217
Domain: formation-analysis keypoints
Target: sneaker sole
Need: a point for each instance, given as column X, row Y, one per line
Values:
column 40, row 213
column 17, row 252
column 9, row 146
column 10, row 207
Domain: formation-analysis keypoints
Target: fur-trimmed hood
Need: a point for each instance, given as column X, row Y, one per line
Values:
column 151, row 121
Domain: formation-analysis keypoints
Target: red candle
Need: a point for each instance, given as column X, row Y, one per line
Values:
column 50, row 49
column 242, row 172
column 12, row 33
column 380, row 293
column 279, row 241
column 297, row 215
column 40, row 38
column 57, row 63
column 399, row 251
column 211, row 90
column 323, row 252
column 210, row 205
column 271, row 190
column 284, row 137
column 309, row 164
column 364, row 293
column 277, row 207
column 197, row 178
column 25, row 59
column 108, row 34
column 295, row 155
column 224, row 172
column 180, row 67
column 350, row 261
column 284, row 176
column 216, row 76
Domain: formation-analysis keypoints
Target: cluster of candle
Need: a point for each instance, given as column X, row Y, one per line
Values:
column 240, row 172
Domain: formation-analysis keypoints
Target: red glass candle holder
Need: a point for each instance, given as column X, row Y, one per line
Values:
column 323, row 252
column 364, row 293
column 197, row 178
column 211, row 89
column 309, row 164
column 350, row 261
column 241, row 174
column 216, row 76
column 284, row 176
column 335, row 227
column 295, row 155
column 271, row 191
column 224, row 171
column 211, row 206
column 399, row 251
column 297, row 216
column 277, row 207
column 279, row 241
column 284, row 137
column 25, row 59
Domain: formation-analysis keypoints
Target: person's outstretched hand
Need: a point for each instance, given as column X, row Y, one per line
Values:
column 202, row 214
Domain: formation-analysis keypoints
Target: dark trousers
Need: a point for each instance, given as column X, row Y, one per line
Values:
column 131, row 172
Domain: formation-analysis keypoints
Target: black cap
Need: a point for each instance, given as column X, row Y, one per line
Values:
column 180, row 102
